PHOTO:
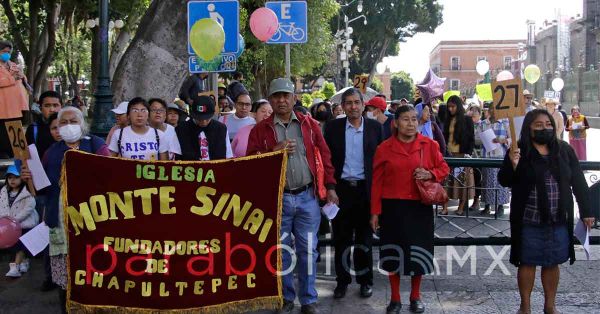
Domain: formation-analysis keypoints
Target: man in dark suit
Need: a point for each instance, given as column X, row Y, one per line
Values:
column 352, row 142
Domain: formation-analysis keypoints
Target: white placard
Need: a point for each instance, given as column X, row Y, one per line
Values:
column 34, row 164
column 36, row 239
column 487, row 138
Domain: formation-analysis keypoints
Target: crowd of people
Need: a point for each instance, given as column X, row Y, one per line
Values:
column 372, row 155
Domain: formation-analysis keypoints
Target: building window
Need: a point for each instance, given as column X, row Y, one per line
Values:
column 455, row 63
column 454, row 84
column 481, row 58
column 507, row 63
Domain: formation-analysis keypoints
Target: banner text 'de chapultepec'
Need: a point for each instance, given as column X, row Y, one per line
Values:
column 199, row 237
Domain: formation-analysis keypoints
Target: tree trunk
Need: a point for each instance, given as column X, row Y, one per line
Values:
column 48, row 55
column 380, row 54
column 118, row 50
column 155, row 63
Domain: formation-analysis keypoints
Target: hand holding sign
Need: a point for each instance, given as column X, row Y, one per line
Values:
column 508, row 103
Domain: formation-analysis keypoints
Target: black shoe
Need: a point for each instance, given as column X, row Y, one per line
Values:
column 393, row 308
column 309, row 309
column 417, row 306
column 48, row 285
column 366, row 291
column 340, row 291
column 486, row 210
column 287, row 307
column 500, row 210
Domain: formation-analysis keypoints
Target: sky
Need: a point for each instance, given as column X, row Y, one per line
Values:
column 477, row 20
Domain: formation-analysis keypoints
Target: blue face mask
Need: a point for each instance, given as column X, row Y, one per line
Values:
column 5, row 56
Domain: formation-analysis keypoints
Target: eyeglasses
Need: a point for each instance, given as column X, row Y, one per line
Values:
column 137, row 110
column 158, row 111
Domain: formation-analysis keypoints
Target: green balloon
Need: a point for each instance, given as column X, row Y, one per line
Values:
column 207, row 38
column 532, row 73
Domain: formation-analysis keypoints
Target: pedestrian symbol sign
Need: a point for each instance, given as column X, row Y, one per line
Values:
column 293, row 22
column 224, row 12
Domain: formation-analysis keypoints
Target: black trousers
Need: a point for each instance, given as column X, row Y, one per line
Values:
column 351, row 227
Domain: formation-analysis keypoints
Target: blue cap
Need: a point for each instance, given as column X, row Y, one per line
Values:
column 14, row 169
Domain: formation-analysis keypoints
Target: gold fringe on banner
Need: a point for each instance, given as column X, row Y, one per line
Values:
column 260, row 303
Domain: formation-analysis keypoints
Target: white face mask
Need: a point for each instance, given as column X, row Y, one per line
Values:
column 370, row 115
column 70, row 133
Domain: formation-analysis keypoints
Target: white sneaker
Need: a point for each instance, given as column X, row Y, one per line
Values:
column 24, row 266
column 14, row 271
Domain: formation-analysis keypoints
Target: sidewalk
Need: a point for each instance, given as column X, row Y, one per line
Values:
column 467, row 290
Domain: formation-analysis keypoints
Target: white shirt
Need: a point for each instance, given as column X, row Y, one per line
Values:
column 204, row 150
column 234, row 123
column 172, row 142
column 139, row 146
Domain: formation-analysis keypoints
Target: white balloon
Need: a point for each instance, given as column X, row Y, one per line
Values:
column 558, row 84
column 381, row 67
column 482, row 67
column 504, row 76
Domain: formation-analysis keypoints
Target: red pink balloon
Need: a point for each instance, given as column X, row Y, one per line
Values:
column 264, row 24
column 10, row 232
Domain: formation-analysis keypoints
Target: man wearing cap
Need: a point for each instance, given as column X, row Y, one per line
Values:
column 353, row 142
column 121, row 120
column 375, row 109
column 201, row 137
column 528, row 101
column 301, row 216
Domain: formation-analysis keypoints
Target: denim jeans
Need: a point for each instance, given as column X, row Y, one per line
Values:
column 301, row 217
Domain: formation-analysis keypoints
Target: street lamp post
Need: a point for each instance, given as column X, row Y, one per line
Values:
column 348, row 44
column 102, row 119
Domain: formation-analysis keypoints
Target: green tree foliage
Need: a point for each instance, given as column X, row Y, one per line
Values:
column 389, row 22
column 328, row 89
column 261, row 63
column 51, row 34
column 402, row 86
column 377, row 84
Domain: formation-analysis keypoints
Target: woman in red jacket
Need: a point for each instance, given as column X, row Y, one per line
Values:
column 406, row 223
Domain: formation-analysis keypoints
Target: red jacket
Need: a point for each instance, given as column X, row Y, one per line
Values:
column 263, row 138
column 393, row 169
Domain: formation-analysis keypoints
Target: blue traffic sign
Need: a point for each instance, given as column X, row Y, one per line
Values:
column 228, row 64
column 293, row 22
column 224, row 12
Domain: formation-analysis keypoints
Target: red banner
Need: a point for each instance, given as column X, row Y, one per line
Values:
column 197, row 237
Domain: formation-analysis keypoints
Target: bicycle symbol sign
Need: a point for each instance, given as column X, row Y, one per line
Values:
column 293, row 24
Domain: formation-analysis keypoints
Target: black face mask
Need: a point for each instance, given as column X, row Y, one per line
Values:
column 323, row 115
column 544, row 136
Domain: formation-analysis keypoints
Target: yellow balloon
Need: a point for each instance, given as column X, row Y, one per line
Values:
column 207, row 38
column 532, row 73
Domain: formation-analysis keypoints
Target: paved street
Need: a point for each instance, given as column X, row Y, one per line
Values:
column 455, row 289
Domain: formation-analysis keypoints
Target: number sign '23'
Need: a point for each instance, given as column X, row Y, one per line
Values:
column 508, row 99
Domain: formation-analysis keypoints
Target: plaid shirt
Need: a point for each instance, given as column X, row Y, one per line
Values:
column 532, row 214
column 501, row 129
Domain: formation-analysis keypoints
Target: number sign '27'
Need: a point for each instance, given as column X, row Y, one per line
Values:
column 508, row 99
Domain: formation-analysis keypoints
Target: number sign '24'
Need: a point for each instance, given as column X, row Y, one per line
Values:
column 508, row 99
